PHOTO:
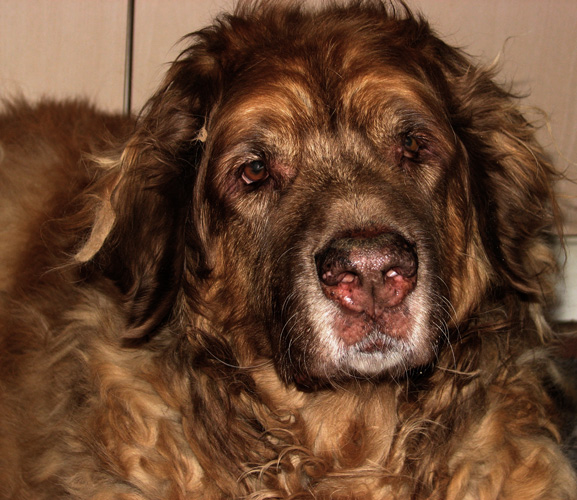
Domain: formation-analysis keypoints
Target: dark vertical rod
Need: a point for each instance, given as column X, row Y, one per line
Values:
column 127, row 101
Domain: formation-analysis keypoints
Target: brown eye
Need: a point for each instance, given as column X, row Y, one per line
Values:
column 254, row 171
column 411, row 146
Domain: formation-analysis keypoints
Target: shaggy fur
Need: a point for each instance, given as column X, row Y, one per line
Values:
column 316, row 267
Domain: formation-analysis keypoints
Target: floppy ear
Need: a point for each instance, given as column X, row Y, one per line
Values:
column 140, row 209
column 511, row 179
column 510, row 200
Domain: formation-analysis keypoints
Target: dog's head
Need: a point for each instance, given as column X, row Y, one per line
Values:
column 336, row 190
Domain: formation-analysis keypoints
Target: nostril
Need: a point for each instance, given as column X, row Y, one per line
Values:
column 331, row 279
column 391, row 273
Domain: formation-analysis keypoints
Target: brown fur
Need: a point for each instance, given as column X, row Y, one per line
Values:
column 164, row 330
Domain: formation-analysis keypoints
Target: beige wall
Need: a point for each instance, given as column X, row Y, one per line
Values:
column 76, row 47
column 63, row 48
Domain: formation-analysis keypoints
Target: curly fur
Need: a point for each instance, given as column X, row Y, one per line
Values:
column 163, row 333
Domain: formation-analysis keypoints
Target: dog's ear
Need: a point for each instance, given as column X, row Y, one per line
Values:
column 142, row 201
column 511, row 179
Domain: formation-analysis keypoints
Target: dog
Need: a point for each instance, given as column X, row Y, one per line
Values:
column 317, row 265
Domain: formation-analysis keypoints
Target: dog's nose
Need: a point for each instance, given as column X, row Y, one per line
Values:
column 368, row 274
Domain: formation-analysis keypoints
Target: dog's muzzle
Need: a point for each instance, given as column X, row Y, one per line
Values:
column 368, row 276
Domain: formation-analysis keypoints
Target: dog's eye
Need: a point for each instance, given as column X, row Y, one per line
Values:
column 411, row 146
column 254, row 171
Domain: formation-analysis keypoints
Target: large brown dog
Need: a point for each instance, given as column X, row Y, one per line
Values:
column 316, row 268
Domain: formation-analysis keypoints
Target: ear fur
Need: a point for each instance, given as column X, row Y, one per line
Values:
column 142, row 199
column 512, row 182
column 514, row 204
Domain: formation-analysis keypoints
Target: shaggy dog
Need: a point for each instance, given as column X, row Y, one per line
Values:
column 315, row 267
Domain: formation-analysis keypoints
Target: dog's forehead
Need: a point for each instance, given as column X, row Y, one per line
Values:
column 295, row 99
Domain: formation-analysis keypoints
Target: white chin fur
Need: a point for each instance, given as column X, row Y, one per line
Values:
column 333, row 356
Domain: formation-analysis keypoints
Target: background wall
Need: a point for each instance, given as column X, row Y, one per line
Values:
column 64, row 48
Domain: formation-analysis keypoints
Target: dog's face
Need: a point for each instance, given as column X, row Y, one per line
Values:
column 331, row 176
column 335, row 206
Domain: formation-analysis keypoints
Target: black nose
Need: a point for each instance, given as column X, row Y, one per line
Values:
column 368, row 274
